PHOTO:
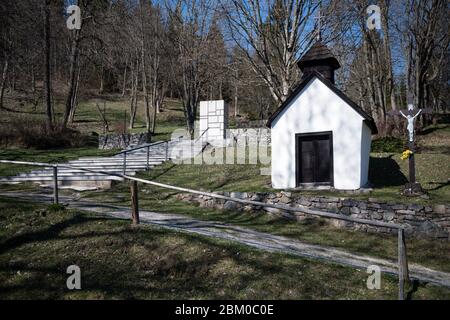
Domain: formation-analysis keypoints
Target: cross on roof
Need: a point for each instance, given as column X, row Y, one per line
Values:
column 319, row 24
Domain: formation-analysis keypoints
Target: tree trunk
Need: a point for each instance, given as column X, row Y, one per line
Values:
column 124, row 86
column 14, row 78
column 3, row 84
column 33, row 79
column 134, row 89
column 133, row 100
column 73, row 62
column 144, row 73
column 47, row 71
column 368, row 76
column 390, row 85
column 75, row 97
column 236, row 111
column 102, row 84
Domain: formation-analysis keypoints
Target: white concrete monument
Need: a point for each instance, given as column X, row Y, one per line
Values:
column 213, row 120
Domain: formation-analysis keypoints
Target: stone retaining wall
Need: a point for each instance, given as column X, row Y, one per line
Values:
column 122, row 141
column 253, row 135
column 420, row 221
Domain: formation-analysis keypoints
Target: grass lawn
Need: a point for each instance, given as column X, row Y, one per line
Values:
column 88, row 119
column 433, row 254
column 387, row 173
column 118, row 261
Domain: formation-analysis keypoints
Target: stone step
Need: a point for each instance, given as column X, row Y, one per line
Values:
column 110, row 162
column 70, row 174
column 114, row 167
column 120, row 158
column 74, row 171
column 136, row 160
column 64, row 178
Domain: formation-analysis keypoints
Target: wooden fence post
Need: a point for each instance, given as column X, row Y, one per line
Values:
column 403, row 272
column 148, row 157
column 167, row 150
column 134, row 202
column 55, row 185
column 124, row 169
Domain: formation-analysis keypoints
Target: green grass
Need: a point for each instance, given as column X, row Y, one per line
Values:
column 118, row 261
column 211, row 177
column 315, row 231
column 387, row 173
column 88, row 119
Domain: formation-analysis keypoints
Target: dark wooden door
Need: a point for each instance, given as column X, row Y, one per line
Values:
column 314, row 158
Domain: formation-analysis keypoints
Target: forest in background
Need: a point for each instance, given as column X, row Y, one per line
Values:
column 242, row 51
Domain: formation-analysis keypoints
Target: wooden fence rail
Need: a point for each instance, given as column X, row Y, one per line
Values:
column 403, row 272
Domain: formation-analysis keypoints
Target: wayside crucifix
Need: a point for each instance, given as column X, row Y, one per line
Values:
column 410, row 115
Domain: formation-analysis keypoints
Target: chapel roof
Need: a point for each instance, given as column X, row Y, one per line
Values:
column 317, row 53
column 314, row 74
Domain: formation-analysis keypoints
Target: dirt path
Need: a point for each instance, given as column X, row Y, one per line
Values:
column 263, row 241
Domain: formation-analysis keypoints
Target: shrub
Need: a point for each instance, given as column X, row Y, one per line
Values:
column 388, row 144
column 32, row 133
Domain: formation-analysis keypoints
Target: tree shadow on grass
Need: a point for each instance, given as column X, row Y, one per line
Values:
column 43, row 235
column 438, row 185
column 385, row 172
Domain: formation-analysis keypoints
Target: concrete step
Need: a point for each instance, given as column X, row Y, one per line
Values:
column 120, row 157
column 64, row 178
column 119, row 160
column 115, row 167
column 111, row 165
column 69, row 174
column 75, row 171
column 136, row 160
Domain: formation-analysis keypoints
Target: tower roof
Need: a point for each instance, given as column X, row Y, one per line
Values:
column 318, row 54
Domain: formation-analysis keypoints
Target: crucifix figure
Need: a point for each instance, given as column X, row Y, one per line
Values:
column 410, row 115
column 410, row 118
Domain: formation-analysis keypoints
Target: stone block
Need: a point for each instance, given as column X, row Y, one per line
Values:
column 439, row 208
column 388, row 215
column 230, row 205
column 415, row 207
column 406, row 212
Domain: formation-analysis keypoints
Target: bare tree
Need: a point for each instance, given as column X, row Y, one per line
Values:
column 190, row 22
column 427, row 41
column 47, row 70
column 73, row 61
column 272, row 34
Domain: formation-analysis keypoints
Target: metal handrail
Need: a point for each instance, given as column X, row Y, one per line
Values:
column 201, row 135
column 148, row 146
column 141, row 147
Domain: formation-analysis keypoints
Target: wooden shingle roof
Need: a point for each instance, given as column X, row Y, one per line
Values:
column 318, row 52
